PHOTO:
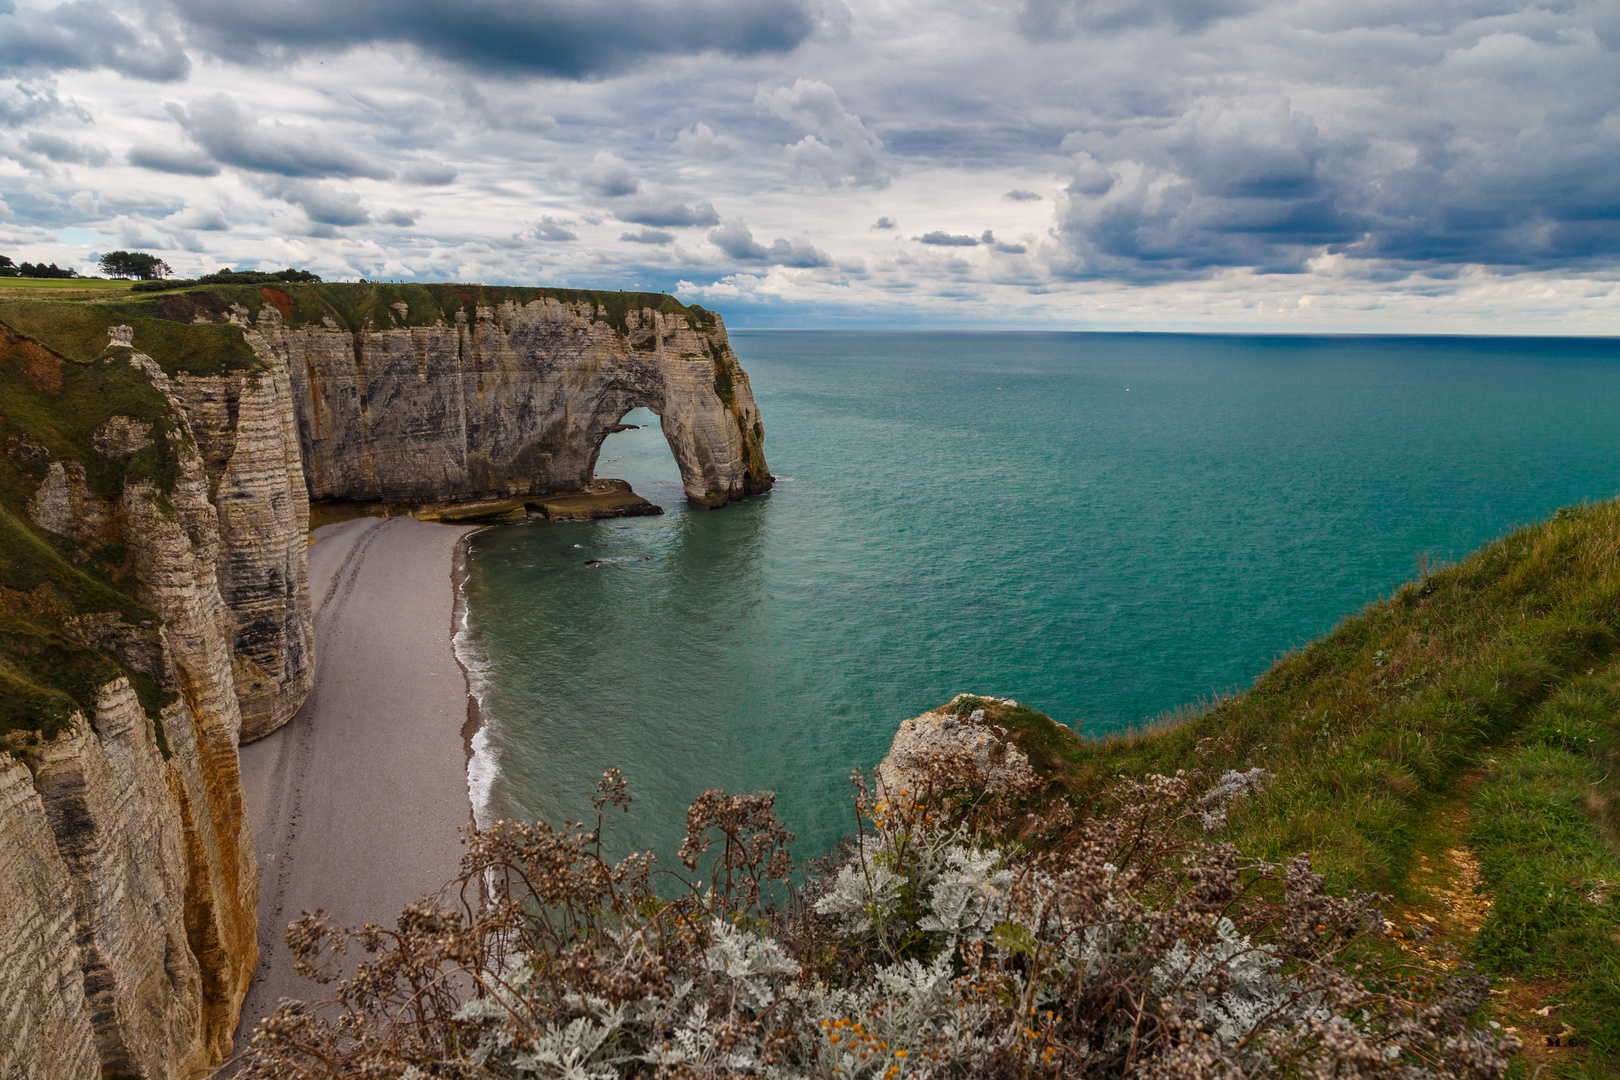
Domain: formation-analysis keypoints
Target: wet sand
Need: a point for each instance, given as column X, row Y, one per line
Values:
column 355, row 804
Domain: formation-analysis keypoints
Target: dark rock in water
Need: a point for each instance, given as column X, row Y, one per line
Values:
column 623, row 427
column 469, row 513
column 600, row 499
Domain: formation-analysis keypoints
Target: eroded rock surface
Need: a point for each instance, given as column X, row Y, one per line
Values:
column 247, row 439
column 127, row 885
column 513, row 400
column 65, row 505
column 44, row 1015
column 943, row 734
column 122, row 436
column 122, row 851
column 127, row 873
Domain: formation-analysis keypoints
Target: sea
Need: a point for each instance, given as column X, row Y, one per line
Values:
column 1106, row 527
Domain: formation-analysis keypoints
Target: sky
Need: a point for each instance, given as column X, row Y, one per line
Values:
column 1445, row 166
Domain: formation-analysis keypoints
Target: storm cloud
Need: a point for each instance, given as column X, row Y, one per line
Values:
column 322, row 204
column 648, row 236
column 837, row 147
column 134, row 40
column 1063, row 19
column 173, row 159
column 665, row 210
column 64, row 151
column 566, row 38
column 736, row 239
column 233, row 136
column 1257, row 181
column 1219, row 162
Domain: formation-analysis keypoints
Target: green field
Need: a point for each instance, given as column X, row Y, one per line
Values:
column 62, row 288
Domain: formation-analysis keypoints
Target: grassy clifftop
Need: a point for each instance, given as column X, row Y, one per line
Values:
column 186, row 330
column 1456, row 745
column 371, row 305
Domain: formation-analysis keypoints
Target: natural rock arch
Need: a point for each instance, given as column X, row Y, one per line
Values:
column 515, row 400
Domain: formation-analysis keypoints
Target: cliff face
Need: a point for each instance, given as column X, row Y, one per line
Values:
column 157, row 465
column 513, row 399
column 131, row 944
column 42, row 999
column 247, row 434
column 127, row 935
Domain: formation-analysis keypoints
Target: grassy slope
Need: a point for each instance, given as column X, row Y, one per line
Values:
column 49, row 409
column 1478, row 706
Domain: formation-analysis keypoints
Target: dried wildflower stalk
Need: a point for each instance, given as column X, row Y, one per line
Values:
column 960, row 933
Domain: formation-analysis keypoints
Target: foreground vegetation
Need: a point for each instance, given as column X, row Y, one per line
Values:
column 1146, row 905
column 936, row 946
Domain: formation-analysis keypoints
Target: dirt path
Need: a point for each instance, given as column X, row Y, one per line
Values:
column 1437, row 924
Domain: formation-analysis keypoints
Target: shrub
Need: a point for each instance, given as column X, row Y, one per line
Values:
column 257, row 277
column 950, row 937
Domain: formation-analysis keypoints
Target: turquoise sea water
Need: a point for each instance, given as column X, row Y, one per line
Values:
column 1102, row 526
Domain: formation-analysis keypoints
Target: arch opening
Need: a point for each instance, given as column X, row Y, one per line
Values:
column 637, row 450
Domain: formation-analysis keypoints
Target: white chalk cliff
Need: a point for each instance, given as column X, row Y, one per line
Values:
column 127, row 937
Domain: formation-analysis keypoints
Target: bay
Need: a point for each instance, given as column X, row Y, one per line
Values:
column 1103, row 526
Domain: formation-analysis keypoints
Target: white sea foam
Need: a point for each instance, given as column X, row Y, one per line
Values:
column 482, row 770
column 483, row 767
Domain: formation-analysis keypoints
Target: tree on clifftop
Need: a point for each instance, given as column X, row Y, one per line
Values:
column 135, row 264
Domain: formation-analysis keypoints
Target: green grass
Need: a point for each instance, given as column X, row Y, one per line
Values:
column 166, row 324
column 50, row 408
column 83, row 285
column 1500, row 667
column 58, row 405
column 356, row 307
column 78, row 331
column 1365, row 728
column 44, row 673
column 1543, row 826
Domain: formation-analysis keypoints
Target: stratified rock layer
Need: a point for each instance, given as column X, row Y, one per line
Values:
column 127, row 874
column 124, row 856
column 142, row 912
column 247, row 434
column 514, row 400
column 44, row 1016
